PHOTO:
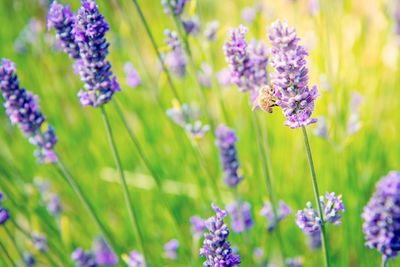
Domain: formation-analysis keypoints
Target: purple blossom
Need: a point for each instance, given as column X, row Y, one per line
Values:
column 50, row 199
column 132, row 76
column 321, row 128
column 4, row 214
column 29, row 259
column 95, row 70
column 290, row 79
column 247, row 63
column 171, row 249
column 216, row 249
column 258, row 254
column 23, row 109
column 205, row 75
column 175, row 59
column 382, row 216
column 308, row 220
column 198, row 226
column 40, row 242
column 294, row 262
column 62, row 19
column 249, row 14
column 135, row 259
column 224, row 77
column 177, row 6
column 314, row 240
column 191, row 25
column 226, row 142
column 83, row 259
column 282, row 212
column 103, row 254
column 241, row 216
column 211, row 30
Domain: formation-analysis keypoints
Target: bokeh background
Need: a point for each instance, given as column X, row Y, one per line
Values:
column 354, row 55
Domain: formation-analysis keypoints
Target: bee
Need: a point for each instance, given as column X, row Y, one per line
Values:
column 266, row 98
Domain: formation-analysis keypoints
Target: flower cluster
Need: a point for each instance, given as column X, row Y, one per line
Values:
column 226, row 142
column 83, row 38
column 240, row 213
column 216, row 249
column 135, row 259
column 308, row 219
column 23, row 110
column 191, row 25
column 40, row 242
column 175, row 59
column 50, row 199
column 171, row 249
column 103, row 254
column 198, row 226
column 4, row 214
column 282, row 212
column 382, row 216
column 290, row 79
column 132, row 76
column 83, row 259
column 247, row 63
column 177, row 6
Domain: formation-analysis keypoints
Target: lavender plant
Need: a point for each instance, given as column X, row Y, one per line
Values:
column 282, row 212
column 241, row 218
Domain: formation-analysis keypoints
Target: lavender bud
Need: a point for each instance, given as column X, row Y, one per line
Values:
column 4, row 214
column 132, row 76
column 171, row 249
column 226, row 142
column 290, row 79
column 175, row 59
column 382, row 216
column 283, row 211
column 211, row 30
column 241, row 216
column 198, row 226
column 216, row 249
column 224, row 77
column 191, row 25
column 177, row 6
column 29, row 259
column 332, row 208
column 103, row 254
column 40, row 242
column 314, row 240
column 23, row 109
column 83, row 259
column 294, row 262
column 205, row 75
column 307, row 219
column 135, row 259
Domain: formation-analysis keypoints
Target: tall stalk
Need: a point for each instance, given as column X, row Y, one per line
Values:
column 316, row 194
column 84, row 200
column 127, row 198
column 267, row 175
column 11, row 237
column 385, row 262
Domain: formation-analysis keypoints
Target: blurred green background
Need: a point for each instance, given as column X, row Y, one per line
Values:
column 353, row 48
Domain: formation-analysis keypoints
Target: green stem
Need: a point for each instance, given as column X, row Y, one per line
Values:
column 267, row 175
column 127, row 198
column 12, row 238
column 5, row 252
column 385, row 261
column 316, row 194
column 78, row 191
column 155, row 47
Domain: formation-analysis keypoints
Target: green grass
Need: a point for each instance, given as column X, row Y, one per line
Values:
column 352, row 43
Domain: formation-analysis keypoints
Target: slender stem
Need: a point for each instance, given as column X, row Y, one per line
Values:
column 316, row 194
column 267, row 176
column 78, row 191
column 128, row 201
column 12, row 238
column 155, row 47
column 5, row 252
column 385, row 261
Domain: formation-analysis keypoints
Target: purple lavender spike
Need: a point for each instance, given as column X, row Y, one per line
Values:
column 240, row 213
column 40, row 242
column 175, row 59
column 282, row 212
column 177, row 6
column 4, row 214
column 191, row 25
column 135, row 259
column 103, row 254
column 290, row 79
column 211, row 30
column 132, row 76
column 83, row 259
column 198, row 226
column 171, row 249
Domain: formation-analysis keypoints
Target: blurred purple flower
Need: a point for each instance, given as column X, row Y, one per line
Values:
column 294, row 262
column 290, row 79
column 354, row 123
column 282, row 212
column 198, row 226
column 314, row 240
column 382, row 217
column 211, row 30
column 321, row 128
column 40, row 242
column 175, row 59
column 103, row 254
column 308, row 220
column 226, row 142
column 28, row 36
column 29, row 259
column 224, row 77
column 23, row 109
column 191, row 25
column 95, row 70
column 4, row 214
column 135, row 259
column 216, row 249
column 176, row 5
column 171, row 249
column 132, row 76
column 249, row 14
column 83, row 259
column 50, row 199
column 205, row 75
column 240, row 213
column 313, row 7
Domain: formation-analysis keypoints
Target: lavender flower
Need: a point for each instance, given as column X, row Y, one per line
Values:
column 308, row 219
column 23, row 109
column 198, row 226
column 321, row 128
column 50, row 199
column 226, row 140
column 177, row 6
column 40, row 242
column 290, row 79
column 314, row 240
column 175, row 59
column 282, row 212
column 216, row 249
column 103, row 254
column 258, row 254
column 211, row 30
column 135, row 259
column 294, row 262
column 249, row 14
column 382, row 217
column 241, row 216
column 4, row 214
column 132, row 76
column 224, row 77
column 191, row 25
column 29, row 259
column 171, row 249
column 205, row 75
column 247, row 63
column 83, row 259
column 62, row 20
